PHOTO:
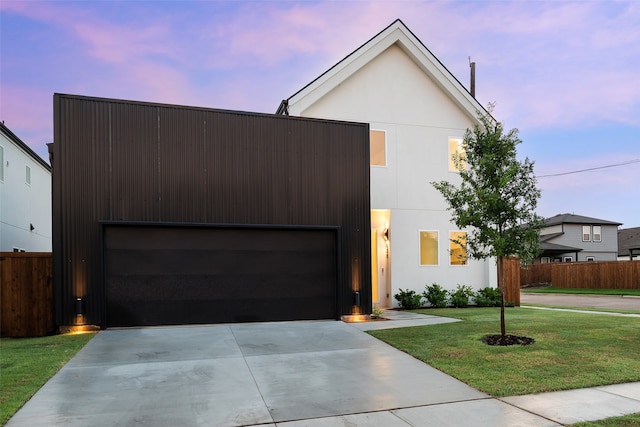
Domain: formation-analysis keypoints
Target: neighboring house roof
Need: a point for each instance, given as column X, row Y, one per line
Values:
column 547, row 237
column 628, row 239
column 24, row 147
column 553, row 248
column 395, row 34
column 577, row 219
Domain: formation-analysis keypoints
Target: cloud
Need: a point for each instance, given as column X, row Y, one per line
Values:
column 546, row 64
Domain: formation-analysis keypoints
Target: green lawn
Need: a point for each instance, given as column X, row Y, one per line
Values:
column 572, row 350
column 27, row 363
column 552, row 290
column 632, row 420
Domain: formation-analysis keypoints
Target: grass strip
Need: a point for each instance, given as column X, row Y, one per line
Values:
column 579, row 291
column 572, row 350
column 631, row 420
column 26, row 364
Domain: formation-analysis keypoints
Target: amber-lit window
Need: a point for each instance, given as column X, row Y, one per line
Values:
column 457, row 248
column 378, row 148
column 455, row 147
column 428, row 248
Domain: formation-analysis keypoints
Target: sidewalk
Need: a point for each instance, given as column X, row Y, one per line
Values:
column 562, row 407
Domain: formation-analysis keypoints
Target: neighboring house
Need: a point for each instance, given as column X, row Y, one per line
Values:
column 418, row 113
column 25, row 197
column 629, row 244
column 175, row 215
column 571, row 238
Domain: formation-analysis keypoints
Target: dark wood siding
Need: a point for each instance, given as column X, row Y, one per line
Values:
column 123, row 161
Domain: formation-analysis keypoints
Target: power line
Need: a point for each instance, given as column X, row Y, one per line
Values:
column 591, row 169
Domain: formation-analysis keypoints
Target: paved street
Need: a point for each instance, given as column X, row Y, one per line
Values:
column 586, row 301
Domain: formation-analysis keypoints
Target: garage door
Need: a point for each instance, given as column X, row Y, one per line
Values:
column 160, row 275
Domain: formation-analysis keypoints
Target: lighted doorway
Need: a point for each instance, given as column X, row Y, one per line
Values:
column 380, row 258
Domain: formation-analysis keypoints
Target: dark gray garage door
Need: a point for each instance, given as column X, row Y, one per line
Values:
column 163, row 275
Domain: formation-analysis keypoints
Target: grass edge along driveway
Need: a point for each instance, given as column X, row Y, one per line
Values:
column 26, row 364
column 572, row 350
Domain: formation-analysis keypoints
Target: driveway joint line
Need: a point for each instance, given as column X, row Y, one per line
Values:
column 244, row 358
column 530, row 412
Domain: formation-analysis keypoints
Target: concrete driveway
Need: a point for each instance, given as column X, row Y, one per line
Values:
column 313, row 373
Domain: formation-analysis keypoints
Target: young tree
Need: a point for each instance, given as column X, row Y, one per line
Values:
column 496, row 199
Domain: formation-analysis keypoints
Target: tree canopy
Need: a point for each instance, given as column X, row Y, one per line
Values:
column 497, row 197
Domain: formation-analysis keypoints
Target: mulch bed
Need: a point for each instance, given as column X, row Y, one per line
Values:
column 507, row 340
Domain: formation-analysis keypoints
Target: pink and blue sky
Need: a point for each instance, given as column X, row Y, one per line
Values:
column 566, row 74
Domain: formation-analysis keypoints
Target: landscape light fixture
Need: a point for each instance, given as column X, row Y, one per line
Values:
column 79, row 307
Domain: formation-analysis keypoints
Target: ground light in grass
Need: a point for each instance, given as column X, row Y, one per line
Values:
column 572, row 350
column 27, row 363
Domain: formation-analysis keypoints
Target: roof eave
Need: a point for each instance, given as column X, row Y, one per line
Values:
column 24, row 147
column 397, row 33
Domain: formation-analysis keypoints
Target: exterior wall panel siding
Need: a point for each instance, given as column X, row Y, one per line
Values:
column 122, row 161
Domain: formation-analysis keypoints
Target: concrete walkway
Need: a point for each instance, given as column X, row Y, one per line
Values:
column 313, row 373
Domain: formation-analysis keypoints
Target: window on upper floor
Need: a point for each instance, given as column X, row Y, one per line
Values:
column 428, row 247
column 456, row 150
column 597, row 233
column 586, row 233
column 27, row 175
column 457, row 248
column 378, row 148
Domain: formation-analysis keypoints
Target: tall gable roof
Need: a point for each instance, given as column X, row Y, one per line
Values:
column 395, row 34
column 577, row 219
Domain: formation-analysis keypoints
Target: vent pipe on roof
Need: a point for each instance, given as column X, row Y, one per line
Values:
column 472, row 88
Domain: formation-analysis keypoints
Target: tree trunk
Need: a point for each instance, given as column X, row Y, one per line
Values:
column 501, row 285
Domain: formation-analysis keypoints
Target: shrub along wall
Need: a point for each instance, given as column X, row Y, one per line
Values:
column 585, row 275
column 26, row 306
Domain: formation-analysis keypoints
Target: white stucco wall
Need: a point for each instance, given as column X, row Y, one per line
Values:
column 22, row 204
column 392, row 93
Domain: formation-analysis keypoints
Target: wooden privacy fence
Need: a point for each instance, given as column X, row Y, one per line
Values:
column 26, row 294
column 594, row 275
column 511, row 280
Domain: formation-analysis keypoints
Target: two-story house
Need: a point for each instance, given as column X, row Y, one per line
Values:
column 629, row 244
column 418, row 114
column 571, row 238
column 25, row 197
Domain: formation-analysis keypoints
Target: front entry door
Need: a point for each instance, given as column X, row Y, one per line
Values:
column 380, row 265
